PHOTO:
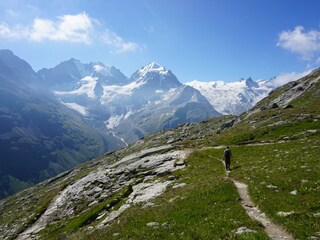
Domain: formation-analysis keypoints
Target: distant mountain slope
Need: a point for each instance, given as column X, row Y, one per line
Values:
column 287, row 112
column 153, row 99
column 234, row 97
column 66, row 75
column 238, row 97
column 39, row 137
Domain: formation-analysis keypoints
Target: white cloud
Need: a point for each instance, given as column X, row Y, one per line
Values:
column 287, row 77
column 79, row 28
column 117, row 43
column 70, row 28
column 305, row 44
column 7, row 32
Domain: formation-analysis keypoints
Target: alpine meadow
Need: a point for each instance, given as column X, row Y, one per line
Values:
column 173, row 119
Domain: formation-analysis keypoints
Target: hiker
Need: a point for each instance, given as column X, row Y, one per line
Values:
column 227, row 158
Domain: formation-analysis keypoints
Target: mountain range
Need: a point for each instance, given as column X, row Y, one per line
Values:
column 56, row 118
column 172, row 184
column 150, row 100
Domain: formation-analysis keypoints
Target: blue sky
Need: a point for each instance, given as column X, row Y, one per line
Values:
column 197, row 39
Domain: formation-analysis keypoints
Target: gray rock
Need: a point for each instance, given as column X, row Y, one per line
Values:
column 180, row 185
column 274, row 105
column 288, row 106
column 241, row 230
column 153, row 224
column 312, row 131
column 171, row 178
column 270, row 186
column 284, row 214
column 227, row 124
column 165, row 225
column 317, row 215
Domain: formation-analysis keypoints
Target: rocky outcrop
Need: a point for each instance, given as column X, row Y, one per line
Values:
column 137, row 172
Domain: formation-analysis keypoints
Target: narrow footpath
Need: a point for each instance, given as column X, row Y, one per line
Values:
column 274, row 231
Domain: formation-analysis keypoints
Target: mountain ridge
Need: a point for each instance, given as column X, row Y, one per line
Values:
column 160, row 186
column 92, row 100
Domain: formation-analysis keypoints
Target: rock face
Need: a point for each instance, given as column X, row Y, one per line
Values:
column 285, row 95
column 135, row 173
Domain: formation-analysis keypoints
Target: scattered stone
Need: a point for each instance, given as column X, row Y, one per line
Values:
column 165, row 225
column 227, row 124
column 241, row 230
column 148, row 204
column 92, row 203
column 171, row 140
column 116, row 234
column 179, row 185
column 153, row 224
column 284, row 214
column 286, row 138
column 288, row 106
column 274, row 105
column 294, row 192
column 304, row 116
column 101, row 216
column 312, row 131
column 171, row 178
column 179, row 163
column 271, row 186
column 317, row 215
column 172, row 199
column 300, row 88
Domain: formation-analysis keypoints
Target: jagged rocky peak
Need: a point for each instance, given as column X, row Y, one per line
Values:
column 153, row 67
column 156, row 76
column 73, row 70
column 109, row 75
column 249, row 82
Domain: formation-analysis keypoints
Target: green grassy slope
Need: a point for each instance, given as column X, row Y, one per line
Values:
column 280, row 166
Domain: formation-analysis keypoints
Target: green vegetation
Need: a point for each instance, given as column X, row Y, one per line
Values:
column 206, row 208
column 283, row 178
column 62, row 229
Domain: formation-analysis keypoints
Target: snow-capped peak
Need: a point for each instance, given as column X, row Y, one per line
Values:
column 102, row 69
column 153, row 67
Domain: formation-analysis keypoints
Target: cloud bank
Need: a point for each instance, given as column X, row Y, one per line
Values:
column 287, row 77
column 304, row 43
column 78, row 28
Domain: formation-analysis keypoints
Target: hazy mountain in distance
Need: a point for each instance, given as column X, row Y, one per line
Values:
column 39, row 136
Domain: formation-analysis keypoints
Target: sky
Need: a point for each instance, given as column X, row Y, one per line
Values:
column 200, row 40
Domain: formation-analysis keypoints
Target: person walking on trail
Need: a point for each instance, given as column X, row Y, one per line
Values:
column 227, row 158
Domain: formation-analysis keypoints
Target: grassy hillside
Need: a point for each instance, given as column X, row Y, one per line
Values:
column 275, row 152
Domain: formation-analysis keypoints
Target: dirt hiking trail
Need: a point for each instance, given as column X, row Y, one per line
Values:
column 274, row 231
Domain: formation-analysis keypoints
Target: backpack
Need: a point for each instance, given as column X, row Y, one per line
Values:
column 227, row 153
